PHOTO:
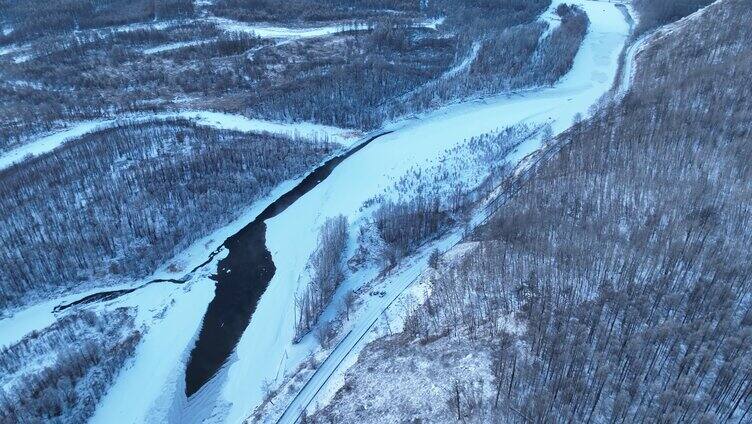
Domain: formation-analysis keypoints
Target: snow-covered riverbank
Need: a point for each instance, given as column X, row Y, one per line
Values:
column 291, row 237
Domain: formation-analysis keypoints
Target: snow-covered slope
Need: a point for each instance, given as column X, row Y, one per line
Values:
column 637, row 46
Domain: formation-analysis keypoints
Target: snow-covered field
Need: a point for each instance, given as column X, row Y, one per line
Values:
column 217, row 120
column 270, row 31
column 286, row 32
column 291, row 236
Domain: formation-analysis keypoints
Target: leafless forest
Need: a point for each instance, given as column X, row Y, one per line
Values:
column 59, row 374
column 120, row 202
column 77, row 221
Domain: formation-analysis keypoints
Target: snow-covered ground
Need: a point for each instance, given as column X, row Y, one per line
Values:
column 217, row 120
column 270, row 31
column 8, row 49
column 158, row 25
column 16, row 53
column 291, row 236
column 17, row 326
column 286, row 32
column 307, row 130
column 29, row 84
column 432, row 23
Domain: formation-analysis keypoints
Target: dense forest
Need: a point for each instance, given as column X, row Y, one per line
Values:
column 119, row 202
column 478, row 19
column 614, row 285
column 654, row 13
column 59, row 374
column 39, row 17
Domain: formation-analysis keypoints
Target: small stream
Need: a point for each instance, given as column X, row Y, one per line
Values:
column 104, row 296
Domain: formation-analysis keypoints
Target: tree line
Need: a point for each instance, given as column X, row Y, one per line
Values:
column 654, row 13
